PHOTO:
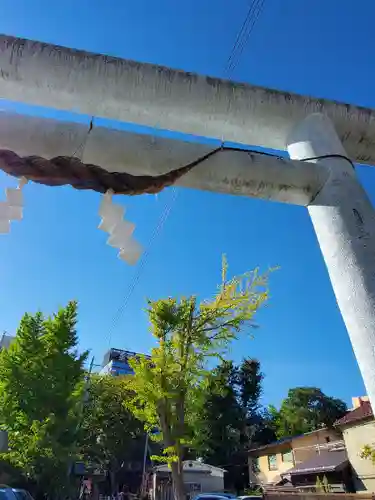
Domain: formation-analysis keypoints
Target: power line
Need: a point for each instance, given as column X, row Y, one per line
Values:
column 255, row 8
column 240, row 35
column 142, row 263
column 253, row 14
column 247, row 27
column 157, row 231
column 256, row 13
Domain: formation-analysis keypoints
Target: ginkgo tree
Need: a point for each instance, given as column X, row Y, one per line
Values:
column 168, row 388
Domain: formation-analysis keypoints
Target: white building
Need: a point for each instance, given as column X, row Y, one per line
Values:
column 198, row 478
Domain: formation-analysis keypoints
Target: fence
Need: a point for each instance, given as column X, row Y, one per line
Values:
column 317, row 496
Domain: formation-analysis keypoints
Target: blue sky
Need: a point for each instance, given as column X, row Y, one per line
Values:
column 56, row 253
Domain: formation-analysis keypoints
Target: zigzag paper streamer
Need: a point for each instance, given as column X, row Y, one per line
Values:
column 120, row 231
column 12, row 208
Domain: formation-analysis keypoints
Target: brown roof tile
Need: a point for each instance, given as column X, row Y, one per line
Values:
column 362, row 412
column 324, row 462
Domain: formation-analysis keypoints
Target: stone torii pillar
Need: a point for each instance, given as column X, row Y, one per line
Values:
column 344, row 223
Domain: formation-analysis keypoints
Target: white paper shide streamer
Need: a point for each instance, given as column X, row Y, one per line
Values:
column 12, row 208
column 120, row 230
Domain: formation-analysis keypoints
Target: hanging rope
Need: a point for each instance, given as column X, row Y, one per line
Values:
column 63, row 170
column 70, row 170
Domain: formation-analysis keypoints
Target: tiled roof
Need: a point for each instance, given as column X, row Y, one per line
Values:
column 324, row 462
column 361, row 413
column 275, row 443
column 284, row 440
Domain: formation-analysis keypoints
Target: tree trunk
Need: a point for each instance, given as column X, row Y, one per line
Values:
column 178, row 481
column 113, row 481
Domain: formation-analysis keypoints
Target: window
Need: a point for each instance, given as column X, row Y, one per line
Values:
column 272, row 462
column 255, row 465
column 287, row 456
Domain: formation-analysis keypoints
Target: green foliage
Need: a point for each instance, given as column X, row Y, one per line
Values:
column 304, row 410
column 219, row 422
column 326, row 485
column 253, row 492
column 170, row 387
column 41, row 389
column 318, row 485
column 322, row 485
column 110, row 435
column 368, row 452
column 231, row 420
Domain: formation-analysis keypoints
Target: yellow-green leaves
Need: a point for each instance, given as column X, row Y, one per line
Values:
column 368, row 452
column 169, row 388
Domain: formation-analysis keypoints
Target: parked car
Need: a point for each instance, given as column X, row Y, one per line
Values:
column 250, row 497
column 6, row 493
column 22, row 494
column 218, row 495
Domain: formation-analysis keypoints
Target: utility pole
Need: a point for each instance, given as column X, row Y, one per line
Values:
column 143, row 487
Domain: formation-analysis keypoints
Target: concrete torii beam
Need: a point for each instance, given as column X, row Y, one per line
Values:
column 97, row 85
column 232, row 172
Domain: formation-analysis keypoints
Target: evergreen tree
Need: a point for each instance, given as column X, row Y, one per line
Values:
column 306, row 409
column 41, row 391
column 110, row 435
column 231, row 420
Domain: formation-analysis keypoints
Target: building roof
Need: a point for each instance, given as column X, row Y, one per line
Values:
column 361, row 413
column 285, row 440
column 275, row 443
column 120, row 355
column 190, row 465
column 328, row 461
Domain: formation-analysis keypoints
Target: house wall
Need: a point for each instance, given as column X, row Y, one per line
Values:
column 303, row 448
column 209, row 483
column 264, row 474
column 209, row 478
column 355, row 438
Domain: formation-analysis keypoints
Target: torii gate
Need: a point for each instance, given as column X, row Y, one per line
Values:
column 315, row 132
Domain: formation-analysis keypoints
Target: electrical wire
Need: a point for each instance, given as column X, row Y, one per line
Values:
column 240, row 34
column 81, row 147
column 142, row 262
column 243, row 36
column 166, row 213
column 329, row 156
column 256, row 13
column 158, row 229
